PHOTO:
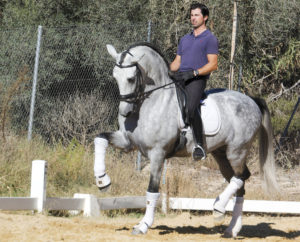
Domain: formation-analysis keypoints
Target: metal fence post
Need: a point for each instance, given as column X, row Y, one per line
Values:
column 240, row 77
column 149, row 31
column 139, row 158
column 138, row 161
column 36, row 66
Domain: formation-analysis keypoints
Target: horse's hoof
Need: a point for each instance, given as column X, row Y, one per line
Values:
column 234, row 228
column 136, row 231
column 229, row 233
column 219, row 218
column 104, row 189
column 103, row 182
column 140, row 228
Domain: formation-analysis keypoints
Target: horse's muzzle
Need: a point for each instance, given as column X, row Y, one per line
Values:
column 125, row 109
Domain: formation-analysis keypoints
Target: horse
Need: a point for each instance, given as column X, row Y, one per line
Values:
column 150, row 121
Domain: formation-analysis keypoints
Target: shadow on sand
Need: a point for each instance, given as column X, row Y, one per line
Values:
column 262, row 231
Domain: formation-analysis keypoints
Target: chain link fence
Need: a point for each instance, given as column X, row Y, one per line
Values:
column 76, row 95
column 17, row 52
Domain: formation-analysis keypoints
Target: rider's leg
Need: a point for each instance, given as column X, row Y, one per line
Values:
column 196, row 124
column 194, row 90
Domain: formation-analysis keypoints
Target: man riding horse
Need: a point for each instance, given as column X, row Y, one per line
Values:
column 197, row 57
column 150, row 121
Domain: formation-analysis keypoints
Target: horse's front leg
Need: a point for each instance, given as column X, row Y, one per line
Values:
column 152, row 195
column 118, row 139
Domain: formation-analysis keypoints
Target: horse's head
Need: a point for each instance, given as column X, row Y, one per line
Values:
column 131, row 77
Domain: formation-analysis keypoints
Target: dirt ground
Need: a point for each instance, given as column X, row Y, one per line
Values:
column 173, row 227
column 179, row 226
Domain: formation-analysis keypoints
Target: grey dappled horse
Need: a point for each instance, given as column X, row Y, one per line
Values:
column 150, row 121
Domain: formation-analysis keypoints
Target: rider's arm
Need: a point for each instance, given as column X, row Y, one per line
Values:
column 174, row 66
column 212, row 65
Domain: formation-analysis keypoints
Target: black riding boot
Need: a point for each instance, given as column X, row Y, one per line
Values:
column 196, row 125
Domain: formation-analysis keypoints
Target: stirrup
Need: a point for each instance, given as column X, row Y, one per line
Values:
column 199, row 153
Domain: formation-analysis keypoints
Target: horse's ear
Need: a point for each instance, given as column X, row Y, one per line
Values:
column 112, row 51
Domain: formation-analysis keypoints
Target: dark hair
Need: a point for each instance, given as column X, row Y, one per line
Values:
column 203, row 8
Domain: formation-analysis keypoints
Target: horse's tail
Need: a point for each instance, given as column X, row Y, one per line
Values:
column 266, row 150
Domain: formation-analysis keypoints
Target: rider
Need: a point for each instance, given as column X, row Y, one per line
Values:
column 197, row 57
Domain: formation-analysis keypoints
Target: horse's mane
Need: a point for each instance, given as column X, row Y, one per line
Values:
column 151, row 46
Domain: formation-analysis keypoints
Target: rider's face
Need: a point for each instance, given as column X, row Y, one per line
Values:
column 197, row 19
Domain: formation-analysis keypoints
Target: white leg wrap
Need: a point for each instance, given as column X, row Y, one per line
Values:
column 148, row 219
column 235, row 225
column 102, row 179
column 99, row 162
column 222, row 200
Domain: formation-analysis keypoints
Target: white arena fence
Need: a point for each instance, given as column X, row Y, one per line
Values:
column 91, row 205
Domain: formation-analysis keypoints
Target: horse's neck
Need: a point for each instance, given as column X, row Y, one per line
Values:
column 158, row 119
column 162, row 100
column 157, row 68
column 159, row 74
column 162, row 103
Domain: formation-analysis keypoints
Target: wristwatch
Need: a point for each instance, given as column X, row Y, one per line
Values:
column 196, row 72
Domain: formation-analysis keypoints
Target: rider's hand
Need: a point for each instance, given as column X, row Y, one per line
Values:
column 182, row 76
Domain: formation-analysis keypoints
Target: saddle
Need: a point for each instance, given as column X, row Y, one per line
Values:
column 210, row 114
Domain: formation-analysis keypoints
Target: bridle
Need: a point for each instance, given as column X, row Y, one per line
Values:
column 139, row 94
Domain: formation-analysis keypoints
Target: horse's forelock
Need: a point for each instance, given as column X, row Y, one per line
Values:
column 123, row 55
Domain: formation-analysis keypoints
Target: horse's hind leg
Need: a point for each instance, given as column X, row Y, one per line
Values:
column 236, row 180
column 101, row 142
column 227, row 172
column 235, row 225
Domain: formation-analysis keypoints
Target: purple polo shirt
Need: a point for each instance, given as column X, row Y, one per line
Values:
column 193, row 50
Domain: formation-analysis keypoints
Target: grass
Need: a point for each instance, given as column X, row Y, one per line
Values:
column 281, row 111
column 70, row 170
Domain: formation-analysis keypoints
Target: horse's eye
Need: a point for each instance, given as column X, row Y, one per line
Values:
column 132, row 79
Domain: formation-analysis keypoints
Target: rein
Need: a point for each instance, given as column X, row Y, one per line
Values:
column 139, row 94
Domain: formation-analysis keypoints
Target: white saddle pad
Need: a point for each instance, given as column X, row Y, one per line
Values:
column 210, row 115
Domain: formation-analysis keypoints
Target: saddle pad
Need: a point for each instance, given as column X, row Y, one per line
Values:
column 210, row 115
